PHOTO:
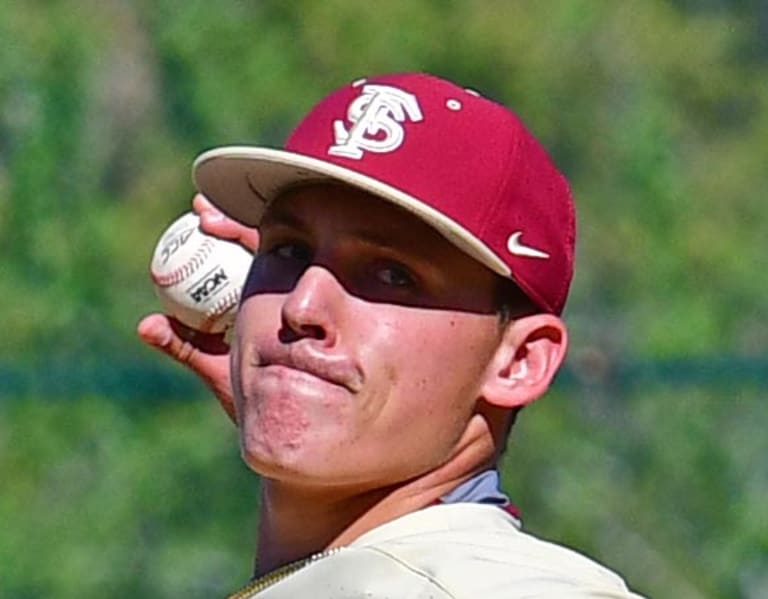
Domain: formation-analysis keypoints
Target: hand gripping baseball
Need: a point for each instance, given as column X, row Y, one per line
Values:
column 206, row 354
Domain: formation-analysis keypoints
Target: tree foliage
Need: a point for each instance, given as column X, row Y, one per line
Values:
column 657, row 112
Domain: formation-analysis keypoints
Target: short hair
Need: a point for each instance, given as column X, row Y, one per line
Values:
column 512, row 302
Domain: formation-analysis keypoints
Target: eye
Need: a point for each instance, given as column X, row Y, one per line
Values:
column 290, row 251
column 395, row 275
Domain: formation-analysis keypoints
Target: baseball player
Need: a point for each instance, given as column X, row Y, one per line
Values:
column 415, row 250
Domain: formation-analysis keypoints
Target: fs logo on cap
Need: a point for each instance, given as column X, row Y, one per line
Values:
column 376, row 116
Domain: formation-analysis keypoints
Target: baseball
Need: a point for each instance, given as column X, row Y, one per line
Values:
column 198, row 278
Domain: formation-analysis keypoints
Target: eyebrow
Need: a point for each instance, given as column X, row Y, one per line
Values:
column 366, row 235
column 280, row 218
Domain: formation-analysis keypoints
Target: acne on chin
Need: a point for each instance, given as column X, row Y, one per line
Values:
column 272, row 428
column 289, row 432
column 269, row 454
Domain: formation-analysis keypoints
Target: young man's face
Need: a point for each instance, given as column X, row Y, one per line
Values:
column 362, row 342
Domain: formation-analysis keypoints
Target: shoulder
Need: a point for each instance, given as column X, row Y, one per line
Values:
column 459, row 551
column 475, row 550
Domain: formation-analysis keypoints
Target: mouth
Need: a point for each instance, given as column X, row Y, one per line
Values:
column 333, row 371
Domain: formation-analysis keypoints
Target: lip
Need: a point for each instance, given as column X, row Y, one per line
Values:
column 330, row 369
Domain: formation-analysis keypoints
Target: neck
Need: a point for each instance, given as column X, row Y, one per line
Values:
column 297, row 522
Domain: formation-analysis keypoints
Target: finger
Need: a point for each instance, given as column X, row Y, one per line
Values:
column 155, row 330
column 209, row 343
column 160, row 332
column 214, row 222
column 202, row 204
column 178, row 341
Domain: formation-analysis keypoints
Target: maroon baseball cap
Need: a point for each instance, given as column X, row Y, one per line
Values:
column 462, row 163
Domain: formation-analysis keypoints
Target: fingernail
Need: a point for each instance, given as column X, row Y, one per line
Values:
column 213, row 216
column 164, row 338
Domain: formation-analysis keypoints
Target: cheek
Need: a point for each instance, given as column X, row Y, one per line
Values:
column 431, row 365
column 423, row 383
column 453, row 346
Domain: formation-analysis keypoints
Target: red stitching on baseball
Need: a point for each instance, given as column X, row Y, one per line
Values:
column 218, row 309
column 186, row 269
column 223, row 304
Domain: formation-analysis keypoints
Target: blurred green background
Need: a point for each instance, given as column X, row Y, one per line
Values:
column 121, row 478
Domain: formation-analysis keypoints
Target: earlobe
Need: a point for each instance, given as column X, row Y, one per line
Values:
column 527, row 359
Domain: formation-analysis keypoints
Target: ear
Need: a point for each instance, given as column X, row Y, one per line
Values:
column 526, row 360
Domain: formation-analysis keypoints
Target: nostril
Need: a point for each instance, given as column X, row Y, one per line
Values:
column 314, row 331
column 288, row 334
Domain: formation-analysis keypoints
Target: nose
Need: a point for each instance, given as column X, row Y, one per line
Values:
column 311, row 309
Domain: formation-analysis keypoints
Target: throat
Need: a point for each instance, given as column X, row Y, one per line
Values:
column 294, row 525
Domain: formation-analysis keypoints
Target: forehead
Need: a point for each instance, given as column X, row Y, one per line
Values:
column 355, row 212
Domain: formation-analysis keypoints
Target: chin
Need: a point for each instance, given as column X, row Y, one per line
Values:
column 272, row 454
column 296, row 464
column 323, row 471
column 286, row 454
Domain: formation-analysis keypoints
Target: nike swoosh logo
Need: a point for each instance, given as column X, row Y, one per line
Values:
column 516, row 247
